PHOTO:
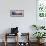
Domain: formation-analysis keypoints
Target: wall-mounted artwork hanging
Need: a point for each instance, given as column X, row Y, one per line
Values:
column 41, row 12
column 17, row 13
column 41, row 8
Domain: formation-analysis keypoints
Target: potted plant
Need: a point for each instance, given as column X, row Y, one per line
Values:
column 39, row 35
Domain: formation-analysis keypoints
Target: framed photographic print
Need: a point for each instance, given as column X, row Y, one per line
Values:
column 17, row 13
column 41, row 8
column 41, row 12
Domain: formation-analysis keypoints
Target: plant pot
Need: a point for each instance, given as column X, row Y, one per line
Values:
column 40, row 41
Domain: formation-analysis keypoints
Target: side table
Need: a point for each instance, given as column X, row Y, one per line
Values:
column 8, row 34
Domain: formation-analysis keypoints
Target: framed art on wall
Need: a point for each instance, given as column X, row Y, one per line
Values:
column 17, row 13
column 41, row 8
column 41, row 12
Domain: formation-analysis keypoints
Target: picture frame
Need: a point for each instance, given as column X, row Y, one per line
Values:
column 41, row 8
column 17, row 13
column 40, row 12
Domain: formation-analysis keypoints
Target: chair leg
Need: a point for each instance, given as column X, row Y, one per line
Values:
column 5, row 43
column 5, row 40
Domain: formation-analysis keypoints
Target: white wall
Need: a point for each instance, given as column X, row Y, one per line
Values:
column 24, row 23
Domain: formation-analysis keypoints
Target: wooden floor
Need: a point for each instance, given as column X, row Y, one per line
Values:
column 13, row 44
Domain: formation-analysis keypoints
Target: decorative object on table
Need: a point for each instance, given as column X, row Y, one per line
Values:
column 14, row 30
column 17, row 13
